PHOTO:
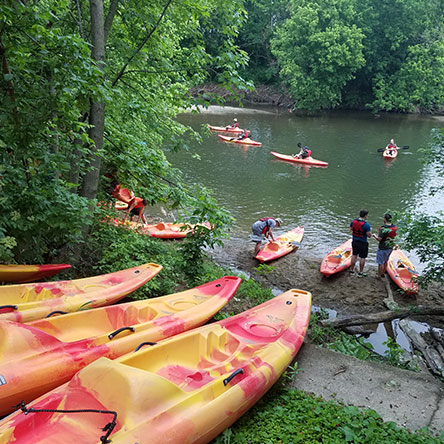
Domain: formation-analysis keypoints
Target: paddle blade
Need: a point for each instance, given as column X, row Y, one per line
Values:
column 403, row 147
column 381, row 150
column 295, row 244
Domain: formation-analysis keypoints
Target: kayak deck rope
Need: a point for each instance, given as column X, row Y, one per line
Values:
column 108, row 427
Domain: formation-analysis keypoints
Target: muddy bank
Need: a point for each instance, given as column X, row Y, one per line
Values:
column 345, row 293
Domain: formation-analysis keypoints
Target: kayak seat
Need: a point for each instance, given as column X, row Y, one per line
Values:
column 161, row 226
column 404, row 273
column 337, row 258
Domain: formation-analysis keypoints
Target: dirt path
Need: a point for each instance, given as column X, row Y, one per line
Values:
column 344, row 293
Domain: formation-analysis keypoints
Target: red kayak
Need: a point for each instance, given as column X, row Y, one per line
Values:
column 390, row 153
column 29, row 273
column 225, row 129
column 246, row 141
column 337, row 260
column 402, row 272
column 281, row 246
column 307, row 161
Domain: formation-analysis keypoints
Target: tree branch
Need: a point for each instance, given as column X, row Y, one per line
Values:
column 110, row 17
column 141, row 45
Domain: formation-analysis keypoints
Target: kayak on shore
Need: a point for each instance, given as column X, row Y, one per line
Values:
column 307, row 161
column 337, row 260
column 402, row 272
column 41, row 355
column 246, row 141
column 281, row 246
column 12, row 273
column 186, row 389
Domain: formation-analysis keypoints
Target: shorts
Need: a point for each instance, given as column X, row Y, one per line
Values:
column 382, row 256
column 360, row 249
column 135, row 211
column 257, row 235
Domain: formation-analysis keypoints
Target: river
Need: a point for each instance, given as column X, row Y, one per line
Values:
column 251, row 184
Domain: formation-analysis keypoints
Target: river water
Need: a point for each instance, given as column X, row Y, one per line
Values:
column 251, row 184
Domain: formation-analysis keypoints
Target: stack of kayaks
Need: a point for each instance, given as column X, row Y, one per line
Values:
column 283, row 245
column 184, row 390
column 29, row 273
column 402, row 272
column 27, row 302
column 337, row 260
column 307, row 161
column 246, row 141
column 43, row 354
column 224, row 129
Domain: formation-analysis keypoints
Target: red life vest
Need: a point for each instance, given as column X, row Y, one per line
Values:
column 392, row 233
column 357, row 225
column 139, row 203
column 267, row 227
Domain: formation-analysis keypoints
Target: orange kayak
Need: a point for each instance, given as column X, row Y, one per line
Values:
column 283, row 245
column 161, row 230
column 123, row 194
column 337, row 260
column 307, row 161
column 184, row 390
column 27, row 302
column 402, row 272
column 225, row 129
column 29, row 273
column 246, row 141
column 43, row 354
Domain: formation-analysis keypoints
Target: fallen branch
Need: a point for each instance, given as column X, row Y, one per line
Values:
column 383, row 316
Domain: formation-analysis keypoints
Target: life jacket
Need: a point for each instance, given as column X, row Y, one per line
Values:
column 357, row 225
column 235, row 125
column 267, row 226
column 139, row 203
column 391, row 234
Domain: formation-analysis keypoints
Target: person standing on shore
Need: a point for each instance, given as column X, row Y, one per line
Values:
column 385, row 237
column 264, row 228
column 361, row 231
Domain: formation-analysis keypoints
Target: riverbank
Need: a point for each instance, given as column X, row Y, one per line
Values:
column 344, row 293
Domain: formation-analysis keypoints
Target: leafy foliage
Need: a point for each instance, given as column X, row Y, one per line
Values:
column 290, row 416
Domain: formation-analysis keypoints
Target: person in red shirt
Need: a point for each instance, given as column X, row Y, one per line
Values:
column 304, row 153
column 392, row 147
column 234, row 124
column 135, row 208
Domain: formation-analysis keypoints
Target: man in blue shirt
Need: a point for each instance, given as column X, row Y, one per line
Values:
column 361, row 231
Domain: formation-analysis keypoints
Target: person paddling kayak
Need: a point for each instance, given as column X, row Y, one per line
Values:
column 304, row 153
column 235, row 124
column 391, row 147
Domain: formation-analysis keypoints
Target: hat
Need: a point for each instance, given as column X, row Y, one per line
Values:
column 235, row 120
column 278, row 220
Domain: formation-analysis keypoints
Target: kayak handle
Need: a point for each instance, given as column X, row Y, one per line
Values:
column 56, row 312
column 143, row 344
column 13, row 307
column 235, row 373
column 114, row 333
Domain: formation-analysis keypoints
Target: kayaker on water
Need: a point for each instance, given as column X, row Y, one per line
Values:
column 135, row 208
column 235, row 124
column 361, row 231
column 385, row 237
column 263, row 228
column 391, row 147
column 243, row 135
column 304, row 153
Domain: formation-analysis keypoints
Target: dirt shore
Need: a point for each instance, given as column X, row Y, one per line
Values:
column 345, row 293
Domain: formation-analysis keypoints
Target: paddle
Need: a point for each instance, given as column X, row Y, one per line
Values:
column 381, row 150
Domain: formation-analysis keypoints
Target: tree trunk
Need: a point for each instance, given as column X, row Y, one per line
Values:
column 383, row 316
column 97, row 109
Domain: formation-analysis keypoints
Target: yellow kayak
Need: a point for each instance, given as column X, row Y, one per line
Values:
column 184, row 390
column 43, row 354
column 29, row 273
column 27, row 302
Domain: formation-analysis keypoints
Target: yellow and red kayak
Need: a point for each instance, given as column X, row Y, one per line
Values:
column 43, row 354
column 184, row 390
column 337, row 260
column 27, row 302
column 29, row 273
column 225, row 129
column 402, row 272
column 246, row 141
column 283, row 245
column 307, row 161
